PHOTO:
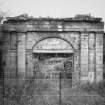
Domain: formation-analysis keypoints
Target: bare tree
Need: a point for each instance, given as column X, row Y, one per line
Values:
column 3, row 14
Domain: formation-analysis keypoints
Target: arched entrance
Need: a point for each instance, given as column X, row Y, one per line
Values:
column 53, row 64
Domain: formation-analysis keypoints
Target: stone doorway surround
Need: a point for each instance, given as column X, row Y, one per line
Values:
column 55, row 47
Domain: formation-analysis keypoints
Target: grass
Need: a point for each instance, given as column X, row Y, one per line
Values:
column 94, row 88
column 32, row 92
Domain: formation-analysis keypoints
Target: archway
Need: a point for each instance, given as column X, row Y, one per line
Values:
column 54, row 51
column 53, row 63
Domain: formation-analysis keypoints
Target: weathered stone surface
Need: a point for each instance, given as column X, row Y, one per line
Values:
column 13, row 41
column 91, row 76
column 99, row 41
column 10, row 68
column 13, row 67
column 91, row 41
column 91, row 60
column 99, row 72
column 53, row 25
column 73, row 38
column 84, row 55
column 21, row 55
column 99, row 57
column 31, row 39
column 7, row 64
column 84, row 70
column 29, row 64
column 80, row 37
column 6, row 41
column 76, row 67
column 84, row 41
column 84, row 79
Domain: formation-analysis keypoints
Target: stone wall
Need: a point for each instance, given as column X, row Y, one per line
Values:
column 85, row 36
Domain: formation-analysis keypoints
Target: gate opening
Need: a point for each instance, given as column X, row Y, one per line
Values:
column 54, row 70
column 49, row 65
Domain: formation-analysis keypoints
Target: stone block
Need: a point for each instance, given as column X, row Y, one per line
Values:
column 73, row 38
column 84, row 70
column 13, row 44
column 99, row 72
column 60, row 28
column 84, row 56
column 84, row 25
column 92, row 67
column 91, row 60
column 13, row 62
column 76, row 73
column 10, row 64
column 84, row 40
column 31, row 39
column 77, row 57
column 7, row 64
column 6, row 41
column 99, row 41
column 99, row 57
column 84, row 59
column 91, row 56
column 29, row 64
column 91, row 76
column 91, row 41
column 84, row 79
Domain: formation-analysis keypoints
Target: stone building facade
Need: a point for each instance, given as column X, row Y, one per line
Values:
column 47, row 46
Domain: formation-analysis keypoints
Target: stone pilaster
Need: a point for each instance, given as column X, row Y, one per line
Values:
column 21, row 55
column 91, row 73
column 99, row 57
column 84, row 57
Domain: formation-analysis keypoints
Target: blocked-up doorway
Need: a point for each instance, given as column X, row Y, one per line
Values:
column 51, row 64
column 54, row 70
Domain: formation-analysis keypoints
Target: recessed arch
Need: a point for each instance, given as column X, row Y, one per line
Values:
column 53, row 45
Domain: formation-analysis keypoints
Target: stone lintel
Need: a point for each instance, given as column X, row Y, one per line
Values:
column 53, row 26
column 23, row 29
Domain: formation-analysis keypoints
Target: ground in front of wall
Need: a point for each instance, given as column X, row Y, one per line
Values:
column 48, row 92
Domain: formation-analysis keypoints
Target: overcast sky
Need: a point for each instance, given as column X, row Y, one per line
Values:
column 54, row 8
